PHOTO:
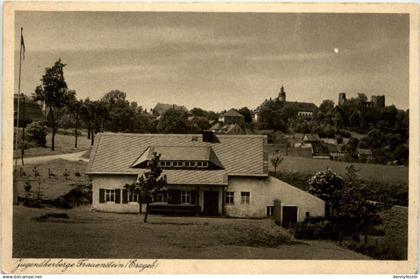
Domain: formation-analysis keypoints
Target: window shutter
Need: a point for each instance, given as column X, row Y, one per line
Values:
column 124, row 196
column 117, row 195
column 101, row 195
column 193, row 197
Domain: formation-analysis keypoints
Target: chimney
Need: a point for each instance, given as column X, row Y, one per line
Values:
column 207, row 136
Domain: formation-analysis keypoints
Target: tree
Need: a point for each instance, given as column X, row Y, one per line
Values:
column 120, row 114
column 150, row 183
column 327, row 185
column 401, row 154
column 37, row 133
column 53, row 92
column 74, row 106
column 276, row 159
column 173, row 121
column 86, row 115
column 246, row 112
column 357, row 214
column 326, row 106
column 199, row 112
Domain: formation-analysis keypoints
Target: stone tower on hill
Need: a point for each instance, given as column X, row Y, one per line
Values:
column 282, row 95
column 341, row 98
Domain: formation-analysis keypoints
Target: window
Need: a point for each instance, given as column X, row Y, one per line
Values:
column 161, row 163
column 229, row 198
column 193, row 164
column 167, row 163
column 110, row 195
column 270, row 210
column 133, row 196
column 205, row 164
column 185, row 197
column 245, row 197
column 187, row 164
column 160, row 197
column 199, row 164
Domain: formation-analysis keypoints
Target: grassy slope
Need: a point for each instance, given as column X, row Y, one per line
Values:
column 375, row 172
column 63, row 144
column 88, row 234
column 51, row 186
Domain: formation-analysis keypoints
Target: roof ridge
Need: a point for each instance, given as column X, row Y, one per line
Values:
column 173, row 135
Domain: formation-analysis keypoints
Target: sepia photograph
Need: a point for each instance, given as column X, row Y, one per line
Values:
column 210, row 135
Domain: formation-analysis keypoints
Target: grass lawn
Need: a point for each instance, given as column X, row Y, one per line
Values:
column 373, row 172
column 63, row 144
column 89, row 234
column 54, row 185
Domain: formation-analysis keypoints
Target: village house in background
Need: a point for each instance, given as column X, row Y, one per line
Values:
column 160, row 108
column 207, row 174
column 304, row 109
column 229, row 123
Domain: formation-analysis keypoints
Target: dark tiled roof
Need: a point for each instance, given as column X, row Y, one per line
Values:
column 162, row 108
column 216, row 126
column 312, row 137
column 233, row 113
column 319, row 148
column 114, row 153
column 303, row 106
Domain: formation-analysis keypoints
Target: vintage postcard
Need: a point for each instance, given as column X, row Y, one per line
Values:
column 210, row 138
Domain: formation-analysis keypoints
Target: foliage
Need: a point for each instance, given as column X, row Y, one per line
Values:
column 276, row 159
column 37, row 132
column 79, row 195
column 247, row 113
column 173, row 121
column 54, row 93
column 316, row 229
column 120, row 114
column 149, row 183
column 327, row 185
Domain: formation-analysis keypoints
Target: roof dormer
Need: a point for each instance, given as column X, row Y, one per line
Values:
column 180, row 157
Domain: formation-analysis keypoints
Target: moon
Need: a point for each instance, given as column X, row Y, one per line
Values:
column 336, row 50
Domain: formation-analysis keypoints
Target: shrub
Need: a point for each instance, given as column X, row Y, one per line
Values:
column 316, row 229
column 344, row 133
column 79, row 195
column 37, row 132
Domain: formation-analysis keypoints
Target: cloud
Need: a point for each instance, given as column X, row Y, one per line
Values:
column 291, row 56
column 134, row 38
column 139, row 70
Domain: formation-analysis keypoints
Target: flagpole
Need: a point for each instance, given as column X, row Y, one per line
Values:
column 18, row 98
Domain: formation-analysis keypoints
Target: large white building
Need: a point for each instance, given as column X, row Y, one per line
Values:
column 207, row 174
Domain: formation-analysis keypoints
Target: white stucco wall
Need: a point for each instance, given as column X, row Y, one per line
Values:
column 264, row 191
column 112, row 182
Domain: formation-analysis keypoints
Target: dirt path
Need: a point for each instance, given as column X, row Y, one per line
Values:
column 76, row 156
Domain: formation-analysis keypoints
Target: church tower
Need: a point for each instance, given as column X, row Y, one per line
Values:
column 282, row 95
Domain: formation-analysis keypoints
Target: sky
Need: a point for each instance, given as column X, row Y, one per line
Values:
column 217, row 61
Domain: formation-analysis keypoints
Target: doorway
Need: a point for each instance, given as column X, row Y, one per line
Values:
column 289, row 216
column 211, row 203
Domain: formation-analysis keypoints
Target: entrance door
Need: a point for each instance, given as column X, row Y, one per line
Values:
column 289, row 216
column 211, row 203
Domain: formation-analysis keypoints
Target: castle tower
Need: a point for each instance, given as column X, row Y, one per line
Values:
column 282, row 95
column 341, row 98
column 378, row 101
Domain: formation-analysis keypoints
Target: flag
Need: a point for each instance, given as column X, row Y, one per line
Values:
column 22, row 44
